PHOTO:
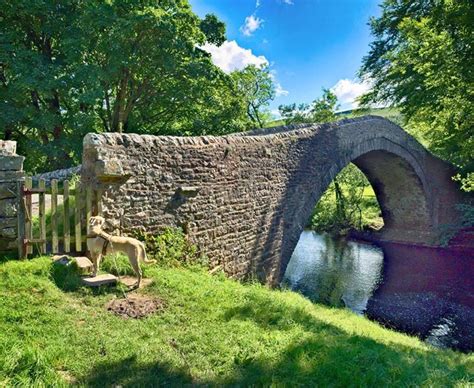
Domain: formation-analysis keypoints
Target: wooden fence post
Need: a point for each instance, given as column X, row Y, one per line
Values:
column 20, row 184
column 54, row 216
column 77, row 218
column 66, row 225
column 29, row 216
column 42, row 215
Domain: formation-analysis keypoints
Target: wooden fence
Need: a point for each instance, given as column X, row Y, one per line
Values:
column 49, row 229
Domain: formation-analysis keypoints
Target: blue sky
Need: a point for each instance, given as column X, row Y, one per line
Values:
column 309, row 44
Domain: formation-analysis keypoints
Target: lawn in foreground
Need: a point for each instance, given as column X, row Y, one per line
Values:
column 213, row 331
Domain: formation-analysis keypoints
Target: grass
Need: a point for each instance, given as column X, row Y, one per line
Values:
column 214, row 331
column 392, row 114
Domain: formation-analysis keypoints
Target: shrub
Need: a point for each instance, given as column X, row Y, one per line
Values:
column 172, row 248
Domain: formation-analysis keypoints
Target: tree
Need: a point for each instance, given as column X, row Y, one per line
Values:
column 36, row 77
column 295, row 114
column 213, row 28
column 255, row 84
column 76, row 67
column 421, row 60
column 322, row 110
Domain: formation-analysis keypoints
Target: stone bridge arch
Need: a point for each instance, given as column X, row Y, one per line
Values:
column 245, row 198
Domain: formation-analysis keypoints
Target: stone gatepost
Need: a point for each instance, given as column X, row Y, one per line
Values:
column 11, row 171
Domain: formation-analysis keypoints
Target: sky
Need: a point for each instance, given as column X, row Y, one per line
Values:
column 308, row 44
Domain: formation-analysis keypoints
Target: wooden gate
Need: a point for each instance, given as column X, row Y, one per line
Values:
column 57, row 221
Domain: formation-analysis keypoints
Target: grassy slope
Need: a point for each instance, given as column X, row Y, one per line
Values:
column 214, row 331
column 389, row 113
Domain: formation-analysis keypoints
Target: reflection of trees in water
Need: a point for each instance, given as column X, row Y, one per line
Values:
column 334, row 271
column 328, row 280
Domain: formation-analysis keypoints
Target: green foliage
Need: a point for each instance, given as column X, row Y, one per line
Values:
column 73, row 68
column 256, row 86
column 467, row 181
column 421, row 61
column 348, row 203
column 466, row 221
column 118, row 265
column 66, row 277
column 172, row 248
column 295, row 114
column 322, row 110
column 213, row 332
column 213, row 28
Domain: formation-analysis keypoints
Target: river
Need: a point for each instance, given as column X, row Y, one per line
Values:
column 428, row 292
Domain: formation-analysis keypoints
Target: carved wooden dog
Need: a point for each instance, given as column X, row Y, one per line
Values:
column 100, row 243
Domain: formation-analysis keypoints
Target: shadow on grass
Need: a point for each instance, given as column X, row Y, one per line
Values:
column 68, row 279
column 129, row 373
column 323, row 355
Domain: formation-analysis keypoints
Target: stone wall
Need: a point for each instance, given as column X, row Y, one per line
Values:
column 60, row 175
column 11, row 170
column 245, row 198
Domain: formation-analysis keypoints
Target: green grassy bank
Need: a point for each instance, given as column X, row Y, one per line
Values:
column 213, row 331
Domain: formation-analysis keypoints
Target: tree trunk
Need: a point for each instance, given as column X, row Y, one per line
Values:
column 340, row 205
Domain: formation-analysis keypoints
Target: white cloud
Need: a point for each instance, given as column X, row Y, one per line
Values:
column 252, row 23
column 348, row 90
column 289, row 2
column 279, row 91
column 230, row 56
column 276, row 114
column 258, row 3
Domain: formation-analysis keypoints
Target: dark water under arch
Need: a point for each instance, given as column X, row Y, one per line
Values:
column 428, row 292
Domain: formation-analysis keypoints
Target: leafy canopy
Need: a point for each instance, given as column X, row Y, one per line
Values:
column 421, row 60
column 68, row 68
column 255, row 85
column 322, row 110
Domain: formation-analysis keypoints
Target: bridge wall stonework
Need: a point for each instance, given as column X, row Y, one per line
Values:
column 244, row 199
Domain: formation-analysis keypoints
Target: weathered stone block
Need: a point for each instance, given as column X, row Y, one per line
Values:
column 83, row 264
column 11, row 162
column 7, row 244
column 8, row 222
column 8, row 207
column 11, row 176
column 61, row 259
column 7, row 190
column 110, row 171
column 100, row 280
column 8, row 233
column 7, row 147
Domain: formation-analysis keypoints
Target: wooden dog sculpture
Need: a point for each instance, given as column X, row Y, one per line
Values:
column 100, row 243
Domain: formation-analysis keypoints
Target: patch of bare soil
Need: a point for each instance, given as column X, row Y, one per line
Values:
column 135, row 306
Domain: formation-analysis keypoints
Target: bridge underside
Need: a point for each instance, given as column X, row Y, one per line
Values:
column 244, row 199
column 401, row 196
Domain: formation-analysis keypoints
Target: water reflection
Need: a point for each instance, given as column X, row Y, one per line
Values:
column 334, row 271
column 423, row 291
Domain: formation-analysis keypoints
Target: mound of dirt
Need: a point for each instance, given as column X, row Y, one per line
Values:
column 136, row 306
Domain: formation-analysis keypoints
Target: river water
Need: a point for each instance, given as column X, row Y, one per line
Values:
column 423, row 291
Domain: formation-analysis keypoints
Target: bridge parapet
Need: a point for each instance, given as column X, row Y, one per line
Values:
column 245, row 198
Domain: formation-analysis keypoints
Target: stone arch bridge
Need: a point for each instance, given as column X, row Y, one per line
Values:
column 245, row 198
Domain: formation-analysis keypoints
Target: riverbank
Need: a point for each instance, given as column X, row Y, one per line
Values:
column 212, row 330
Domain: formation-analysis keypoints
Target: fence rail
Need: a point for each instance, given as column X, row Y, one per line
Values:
column 49, row 229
